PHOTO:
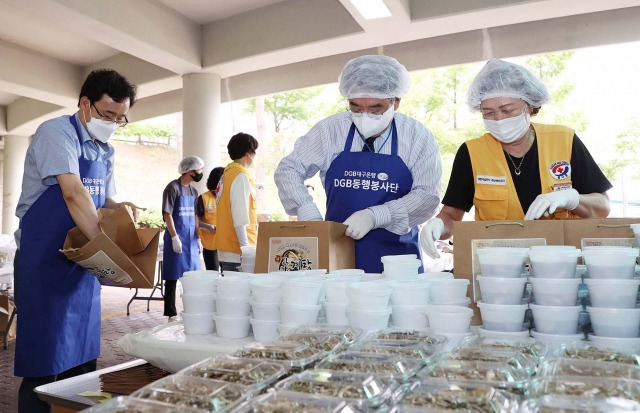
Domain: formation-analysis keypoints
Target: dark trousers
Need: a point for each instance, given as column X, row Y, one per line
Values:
column 211, row 262
column 28, row 401
column 170, row 298
column 229, row 266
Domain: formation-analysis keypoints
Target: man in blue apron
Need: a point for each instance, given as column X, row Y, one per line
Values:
column 68, row 174
column 381, row 170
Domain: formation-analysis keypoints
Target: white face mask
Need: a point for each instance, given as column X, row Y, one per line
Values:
column 99, row 129
column 370, row 125
column 508, row 130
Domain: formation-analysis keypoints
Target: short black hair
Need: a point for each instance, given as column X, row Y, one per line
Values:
column 214, row 178
column 108, row 82
column 241, row 144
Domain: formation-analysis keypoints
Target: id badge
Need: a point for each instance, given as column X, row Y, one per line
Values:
column 562, row 186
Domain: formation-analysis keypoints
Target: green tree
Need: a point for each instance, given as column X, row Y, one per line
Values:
column 627, row 145
column 296, row 106
column 147, row 132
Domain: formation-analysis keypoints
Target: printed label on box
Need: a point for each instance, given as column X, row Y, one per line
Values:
column 106, row 270
column 609, row 242
column 293, row 254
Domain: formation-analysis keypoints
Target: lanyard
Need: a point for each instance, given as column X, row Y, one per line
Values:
column 384, row 143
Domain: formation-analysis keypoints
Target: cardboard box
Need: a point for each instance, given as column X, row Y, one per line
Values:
column 6, row 308
column 284, row 246
column 121, row 256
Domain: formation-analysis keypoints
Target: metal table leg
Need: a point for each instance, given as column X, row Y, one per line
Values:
column 8, row 328
column 158, row 286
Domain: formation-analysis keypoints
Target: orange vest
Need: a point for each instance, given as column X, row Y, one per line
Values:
column 209, row 203
column 495, row 197
column 226, row 238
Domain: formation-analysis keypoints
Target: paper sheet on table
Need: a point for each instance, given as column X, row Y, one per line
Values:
column 169, row 348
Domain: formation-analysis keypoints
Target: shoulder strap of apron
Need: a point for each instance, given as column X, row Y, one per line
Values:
column 349, row 142
column 394, row 138
column 72, row 120
column 180, row 187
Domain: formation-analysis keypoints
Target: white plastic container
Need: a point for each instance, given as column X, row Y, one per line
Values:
column 347, row 272
column 410, row 293
column 284, row 329
column 502, row 335
column 368, row 320
column 232, row 327
column 557, row 320
column 267, row 289
column 265, row 311
column 198, row 303
column 447, row 291
column 264, row 330
column 300, row 293
column 430, row 276
column 248, row 251
column 201, row 273
column 506, row 318
column 234, row 287
column 293, row 314
column 372, row 277
column 615, row 322
column 449, row 319
column 401, row 269
column 554, row 262
column 232, row 307
column 336, row 289
column 621, row 344
column 464, row 303
column 203, row 284
column 610, row 263
column 454, row 339
column 336, row 313
column 560, row 292
column 315, row 272
column 502, row 262
column 248, row 267
column 409, row 316
column 197, row 324
column 506, row 291
column 369, row 296
column 554, row 341
column 606, row 293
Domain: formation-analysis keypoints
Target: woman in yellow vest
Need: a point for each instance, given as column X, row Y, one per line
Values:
column 206, row 212
column 518, row 170
column 237, row 219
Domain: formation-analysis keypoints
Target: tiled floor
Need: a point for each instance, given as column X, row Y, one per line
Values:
column 115, row 324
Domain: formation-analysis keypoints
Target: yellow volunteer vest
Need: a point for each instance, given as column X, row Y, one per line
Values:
column 209, row 203
column 495, row 197
column 226, row 239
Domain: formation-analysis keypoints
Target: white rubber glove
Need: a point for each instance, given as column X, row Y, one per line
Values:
column 547, row 204
column 309, row 212
column 429, row 235
column 177, row 244
column 359, row 224
column 200, row 247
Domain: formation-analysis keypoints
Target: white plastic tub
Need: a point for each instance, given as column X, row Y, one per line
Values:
column 203, row 284
column 502, row 262
column 555, row 341
column 264, row 330
column 300, row 292
column 232, row 307
column 560, row 292
column 606, row 293
column 336, row 313
column 284, row 329
column 265, row 311
column 557, row 320
column 347, row 272
column 401, row 269
column 554, row 262
column 267, row 289
column 368, row 320
column 197, row 324
column 372, row 277
column 508, row 291
column 291, row 314
column 464, row 303
column 506, row 318
column 502, row 335
column 315, row 272
column 234, row 287
column 449, row 319
column 454, row 339
column 410, row 293
column 369, row 296
column 200, row 273
column 409, row 316
column 248, row 251
column 430, row 276
column 447, row 291
column 198, row 303
column 620, row 344
column 336, row 289
column 610, row 263
column 615, row 322
column 232, row 327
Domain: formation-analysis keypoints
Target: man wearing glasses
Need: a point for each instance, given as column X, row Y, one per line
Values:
column 68, row 174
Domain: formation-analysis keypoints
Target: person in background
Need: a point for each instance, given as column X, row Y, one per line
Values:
column 182, row 245
column 206, row 212
column 68, row 174
column 237, row 220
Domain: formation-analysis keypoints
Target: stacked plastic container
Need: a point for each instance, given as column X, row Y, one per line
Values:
column 368, row 307
column 266, row 297
column 337, row 301
column 232, row 305
column 198, row 299
column 302, row 294
column 248, row 259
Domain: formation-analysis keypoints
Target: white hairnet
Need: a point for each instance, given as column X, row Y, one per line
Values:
column 190, row 163
column 503, row 79
column 377, row 77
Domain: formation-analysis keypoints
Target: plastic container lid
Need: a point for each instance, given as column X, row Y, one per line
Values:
column 511, row 358
column 326, row 342
column 394, row 258
column 527, row 346
column 269, row 281
column 557, row 337
column 293, row 355
column 555, row 281
column 502, row 251
column 416, row 350
column 130, row 404
column 370, row 288
column 552, row 247
column 556, row 403
column 253, row 373
column 621, row 251
column 276, row 401
column 587, row 351
column 518, row 280
column 496, row 375
column 586, row 387
column 588, row 368
column 502, row 307
column 408, row 335
column 201, row 273
column 350, row 334
column 379, row 365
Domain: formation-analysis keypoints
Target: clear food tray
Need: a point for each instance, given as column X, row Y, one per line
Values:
column 360, row 389
column 527, row 346
column 396, row 334
column 585, row 387
column 588, row 368
column 430, row 397
column 563, row 404
column 124, row 404
column 326, row 342
column 351, row 334
column 195, row 393
column 296, row 356
column 511, row 358
column 380, row 365
column 257, row 374
column 281, row 402
column 586, row 351
column 410, row 349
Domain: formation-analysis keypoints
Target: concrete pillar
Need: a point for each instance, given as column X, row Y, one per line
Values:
column 201, row 120
column 15, row 150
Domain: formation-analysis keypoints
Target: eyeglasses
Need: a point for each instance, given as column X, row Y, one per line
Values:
column 372, row 112
column 121, row 123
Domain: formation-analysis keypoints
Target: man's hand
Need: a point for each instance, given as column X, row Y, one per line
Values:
column 211, row 229
column 200, row 247
column 547, row 204
column 429, row 235
column 176, row 244
column 359, row 224
column 110, row 203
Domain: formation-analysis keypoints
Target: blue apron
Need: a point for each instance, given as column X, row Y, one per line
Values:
column 359, row 180
column 59, row 301
column 184, row 219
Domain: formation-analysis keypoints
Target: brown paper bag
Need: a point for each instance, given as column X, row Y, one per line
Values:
column 594, row 232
